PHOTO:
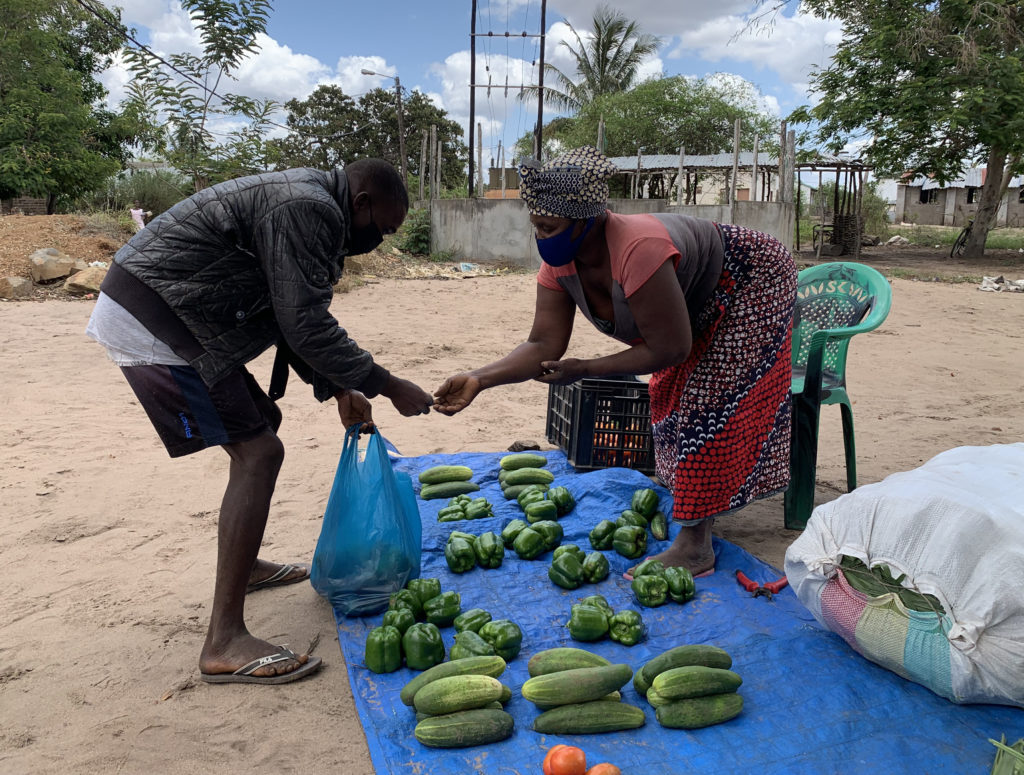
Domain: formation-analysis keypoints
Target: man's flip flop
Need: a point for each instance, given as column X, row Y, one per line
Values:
column 244, row 674
column 280, row 578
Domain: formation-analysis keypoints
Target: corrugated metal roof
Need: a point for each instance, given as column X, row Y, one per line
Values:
column 671, row 162
column 972, row 178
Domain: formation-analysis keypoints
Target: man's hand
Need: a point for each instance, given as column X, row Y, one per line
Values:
column 563, row 372
column 354, row 407
column 409, row 399
column 456, row 393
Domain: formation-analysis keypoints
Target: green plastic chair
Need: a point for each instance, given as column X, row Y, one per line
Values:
column 834, row 302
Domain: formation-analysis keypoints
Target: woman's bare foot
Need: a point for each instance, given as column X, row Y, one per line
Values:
column 241, row 651
column 691, row 549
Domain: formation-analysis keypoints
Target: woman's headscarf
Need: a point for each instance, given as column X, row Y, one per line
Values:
column 573, row 185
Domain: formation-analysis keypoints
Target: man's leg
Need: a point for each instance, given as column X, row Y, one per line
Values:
column 243, row 516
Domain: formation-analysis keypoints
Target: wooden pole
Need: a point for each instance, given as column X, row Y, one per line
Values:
column 679, row 178
column 440, row 164
column 753, row 174
column 433, row 162
column 480, row 162
column 782, row 164
column 423, row 161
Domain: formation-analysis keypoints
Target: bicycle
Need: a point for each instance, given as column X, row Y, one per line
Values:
column 960, row 244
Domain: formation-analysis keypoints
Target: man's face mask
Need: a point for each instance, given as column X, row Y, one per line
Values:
column 365, row 238
column 561, row 249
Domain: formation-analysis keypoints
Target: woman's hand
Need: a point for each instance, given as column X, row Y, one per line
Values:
column 456, row 393
column 563, row 372
column 354, row 407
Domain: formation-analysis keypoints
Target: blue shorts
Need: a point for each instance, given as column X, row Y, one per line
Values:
column 189, row 415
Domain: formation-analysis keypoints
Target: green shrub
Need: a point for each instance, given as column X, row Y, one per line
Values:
column 414, row 236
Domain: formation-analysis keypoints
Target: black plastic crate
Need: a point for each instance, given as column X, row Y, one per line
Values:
column 602, row 423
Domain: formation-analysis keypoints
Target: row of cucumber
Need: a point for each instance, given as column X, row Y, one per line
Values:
column 691, row 687
column 446, row 482
column 580, row 700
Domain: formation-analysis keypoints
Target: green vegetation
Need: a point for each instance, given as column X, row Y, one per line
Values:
column 414, row 236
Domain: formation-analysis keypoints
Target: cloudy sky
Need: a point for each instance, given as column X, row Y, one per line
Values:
column 427, row 45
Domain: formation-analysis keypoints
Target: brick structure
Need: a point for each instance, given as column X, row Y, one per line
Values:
column 23, row 205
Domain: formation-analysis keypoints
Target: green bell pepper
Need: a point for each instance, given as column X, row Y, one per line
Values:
column 566, row 571
column 456, row 509
column 479, row 510
column 469, row 644
column 649, row 567
column 459, row 534
column 383, row 649
column 443, row 609
column 459, row 555
column 473, row 620
column 602, row 534
column 551, row 531
column 562, row 499
column 569, row 549
column 423, row 646
column 399, row 618
column 631, row 518
column 630, row 541
column 595, row 568
column 455, row 515
column 403, row 598
column 587, row 623
column 424, row 589
column 512, row 529
column 659, row 526
column 540, row 510
column 529, row 544
column 505, row 636
column 530, row 496
column 599, row 602
column 650, row 591
column 627, row 628
column 460, row 500
column 680, row 584
column 489, row 550
column 645, row 502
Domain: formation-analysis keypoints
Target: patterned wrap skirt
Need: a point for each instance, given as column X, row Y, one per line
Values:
column 722, row 418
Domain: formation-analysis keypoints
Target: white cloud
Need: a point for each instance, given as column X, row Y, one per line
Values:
column 276, row 72
column 791, row 47
column 657, row 17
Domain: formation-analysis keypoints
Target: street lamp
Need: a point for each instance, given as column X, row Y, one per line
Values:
column 401, row 121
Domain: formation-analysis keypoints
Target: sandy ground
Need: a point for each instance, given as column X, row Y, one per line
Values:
column 108, row 546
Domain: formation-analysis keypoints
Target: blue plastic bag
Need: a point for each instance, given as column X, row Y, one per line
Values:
column 370, row 541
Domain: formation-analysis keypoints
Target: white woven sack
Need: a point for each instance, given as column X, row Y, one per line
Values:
column 955, row 527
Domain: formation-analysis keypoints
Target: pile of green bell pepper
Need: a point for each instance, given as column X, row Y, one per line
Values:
column 504, row 636
column 464, row 551
column 593, row 619
column 653, row 583
column 459, row 554
column 464, row 507
column 571, row 568
column 651, row 591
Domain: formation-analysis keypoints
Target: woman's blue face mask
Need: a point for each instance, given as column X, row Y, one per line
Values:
column 561, row 249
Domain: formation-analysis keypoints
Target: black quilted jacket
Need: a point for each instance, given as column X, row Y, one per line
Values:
column 246, row 264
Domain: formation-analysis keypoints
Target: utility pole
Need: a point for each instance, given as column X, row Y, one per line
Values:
column 401, row 121
column 472, row 90
column 423, row 160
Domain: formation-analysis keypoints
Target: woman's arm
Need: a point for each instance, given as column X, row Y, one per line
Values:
column 659, row 309
column 548, row 340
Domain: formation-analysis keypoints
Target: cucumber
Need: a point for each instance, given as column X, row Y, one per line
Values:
column 680, row 656
column 506, row 694
column 684, row 683
column 586, row 718
column 492, row 666
column 700, row 711
column 577, row 685
column 439, row 474
column 464, row 729
column 446, row 489
column 656, row 699
column 563, row 658
column 457, row 692
column 522, row 460
column 529, row 476
column 613, row 697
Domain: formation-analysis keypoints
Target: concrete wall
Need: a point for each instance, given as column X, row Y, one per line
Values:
column 24, row 205
column 499, row 229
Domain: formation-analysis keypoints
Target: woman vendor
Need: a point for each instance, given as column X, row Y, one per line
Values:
column 704, row 308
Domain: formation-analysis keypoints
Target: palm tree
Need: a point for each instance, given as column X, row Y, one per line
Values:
column 606, row 63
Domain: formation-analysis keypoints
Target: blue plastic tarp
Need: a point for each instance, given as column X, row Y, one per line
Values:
column 811, row 704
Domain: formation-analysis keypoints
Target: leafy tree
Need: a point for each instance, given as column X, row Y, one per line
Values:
column 186, row 97
column 329, row 129
column 55, row 139
column 931, row 86
column 606, row 63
